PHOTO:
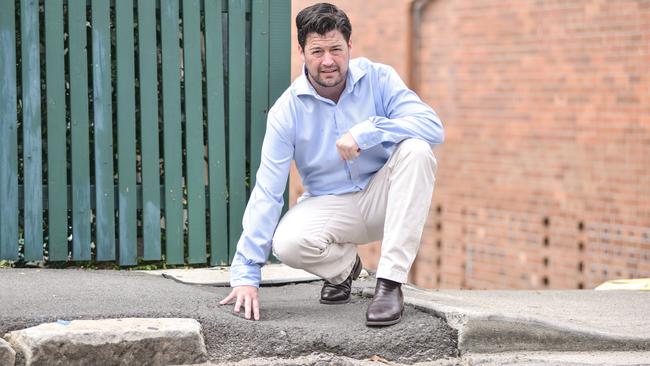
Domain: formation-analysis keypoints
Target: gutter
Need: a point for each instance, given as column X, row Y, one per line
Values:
column 414, row 42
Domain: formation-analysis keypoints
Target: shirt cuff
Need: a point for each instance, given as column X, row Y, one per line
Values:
column 245, row 275
column 366, row 134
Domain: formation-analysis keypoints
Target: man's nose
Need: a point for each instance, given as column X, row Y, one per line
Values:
column 328, row 59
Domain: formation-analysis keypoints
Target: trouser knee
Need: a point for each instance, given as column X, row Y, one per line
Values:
column 418, row 150
column 295, row 250
column 286, row 250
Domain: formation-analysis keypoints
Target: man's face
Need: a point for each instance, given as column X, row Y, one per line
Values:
column 326, row 58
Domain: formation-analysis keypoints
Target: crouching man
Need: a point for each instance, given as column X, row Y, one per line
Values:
column 362, row 143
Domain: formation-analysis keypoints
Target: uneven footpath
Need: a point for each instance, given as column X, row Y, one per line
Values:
column 80, row 317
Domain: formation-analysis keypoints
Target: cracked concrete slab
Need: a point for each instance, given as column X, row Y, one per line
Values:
column 134, row 341
column 272, row 274
column 497, row 321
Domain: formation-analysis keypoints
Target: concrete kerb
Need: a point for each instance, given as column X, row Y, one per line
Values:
column 7, row 353
column 141, row 341
column 485, row 331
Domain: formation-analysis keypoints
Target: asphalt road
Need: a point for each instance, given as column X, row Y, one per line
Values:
column 293, row 323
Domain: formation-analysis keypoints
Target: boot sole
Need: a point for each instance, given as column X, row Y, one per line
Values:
column 383, row 323
column 380, row 323
column 330, row 302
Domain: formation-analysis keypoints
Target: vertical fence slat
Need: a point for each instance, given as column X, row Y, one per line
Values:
column 216, row 133
column 279, row 55
column 56, row 133
column 32, row 145
column 172, row 132
column 149, row 129
column 125, row 50
column 259, row 81
column 8, row 134
column 79, row 133
column 103, row 127
column 194, row 131
column 236, row 119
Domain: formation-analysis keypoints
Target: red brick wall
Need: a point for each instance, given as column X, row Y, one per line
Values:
column 544, row 179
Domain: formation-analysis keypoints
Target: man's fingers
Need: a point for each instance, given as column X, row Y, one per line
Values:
column 344, row 152
column 347, row 147
column 256, row 308
column 340, row 150
column 228, row 298
column 348, row 153
column 247, row 307
column 237, row 304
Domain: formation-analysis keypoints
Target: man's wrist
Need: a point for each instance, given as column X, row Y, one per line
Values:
column 365, row 134
column 245, row 275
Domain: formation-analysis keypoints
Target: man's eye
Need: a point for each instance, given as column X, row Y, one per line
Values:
column 317, row 52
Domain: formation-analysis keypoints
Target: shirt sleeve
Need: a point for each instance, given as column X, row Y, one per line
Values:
column 264, row 206
column 406, row 116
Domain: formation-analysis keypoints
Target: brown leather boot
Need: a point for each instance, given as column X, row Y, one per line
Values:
column 332, row 294
column 387, row 305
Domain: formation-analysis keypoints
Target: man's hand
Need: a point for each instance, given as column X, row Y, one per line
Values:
column 347, row 147
column 247, row 295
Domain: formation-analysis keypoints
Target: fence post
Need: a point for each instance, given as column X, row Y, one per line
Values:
column 8, row 134
column 57, row 180
column 32, row 154
column 80, row 149
column 215, row 98
column 172, row 132
column 103, row 129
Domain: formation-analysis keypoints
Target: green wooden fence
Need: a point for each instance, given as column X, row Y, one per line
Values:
column 130, row 130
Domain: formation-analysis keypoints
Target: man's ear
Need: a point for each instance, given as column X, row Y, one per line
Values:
column 301, row 52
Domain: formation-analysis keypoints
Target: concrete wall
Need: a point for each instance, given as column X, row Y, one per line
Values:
column 544, row 180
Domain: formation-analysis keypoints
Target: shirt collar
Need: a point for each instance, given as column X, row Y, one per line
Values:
column 302, row 85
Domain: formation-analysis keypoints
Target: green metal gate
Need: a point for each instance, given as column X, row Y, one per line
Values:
column 130, row 130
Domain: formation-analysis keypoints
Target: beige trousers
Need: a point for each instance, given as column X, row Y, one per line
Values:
column 319, row 233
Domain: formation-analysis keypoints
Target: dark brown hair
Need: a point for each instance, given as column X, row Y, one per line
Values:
column 322, row 18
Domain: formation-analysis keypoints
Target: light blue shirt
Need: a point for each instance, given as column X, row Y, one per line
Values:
column 378, row 110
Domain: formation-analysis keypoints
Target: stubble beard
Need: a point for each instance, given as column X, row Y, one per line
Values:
column 328, row 84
